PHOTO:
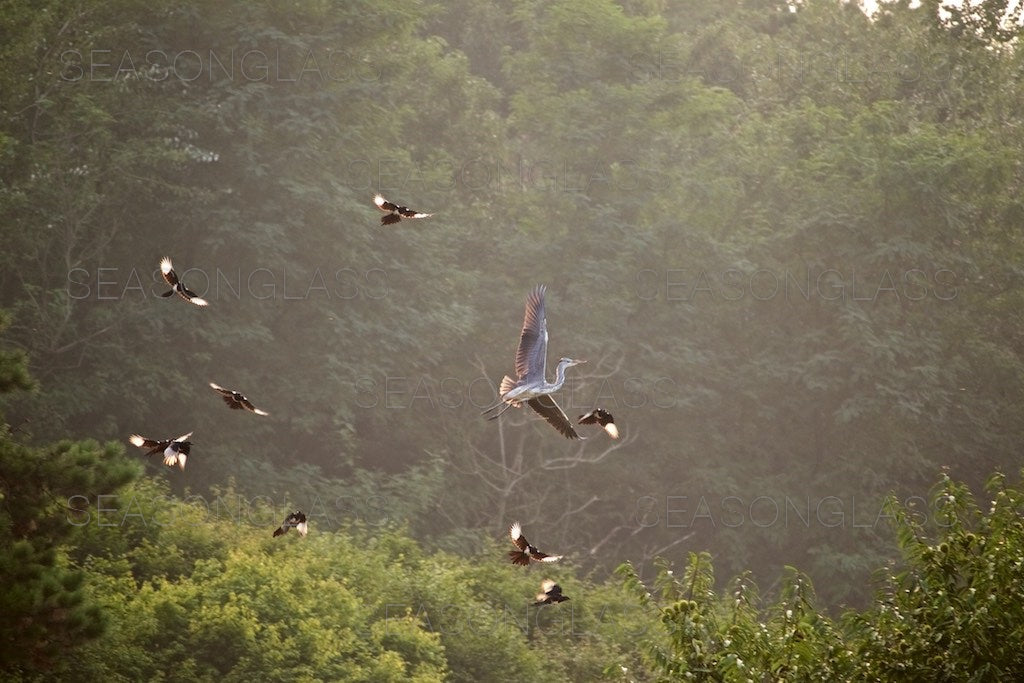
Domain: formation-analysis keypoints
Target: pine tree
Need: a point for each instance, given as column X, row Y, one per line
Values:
column 44, row 496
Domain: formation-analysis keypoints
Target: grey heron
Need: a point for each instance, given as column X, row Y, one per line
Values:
column 531, row 386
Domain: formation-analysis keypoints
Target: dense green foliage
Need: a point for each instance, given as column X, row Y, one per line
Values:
column 786, row 236
column 202, row 591
column 953, row 610
column 44, row 605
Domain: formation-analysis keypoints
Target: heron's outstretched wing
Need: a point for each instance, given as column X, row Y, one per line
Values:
column 533, row 343
column 549, row 410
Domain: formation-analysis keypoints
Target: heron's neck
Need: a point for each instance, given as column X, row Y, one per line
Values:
column 559, row 377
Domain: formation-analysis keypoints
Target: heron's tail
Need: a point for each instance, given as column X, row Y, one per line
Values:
column 507, row 385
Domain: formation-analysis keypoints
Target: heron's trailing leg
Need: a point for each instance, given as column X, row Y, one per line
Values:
column 501, row 412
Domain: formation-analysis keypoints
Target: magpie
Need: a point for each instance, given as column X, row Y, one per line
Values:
column 526, row 551
column 176, row 451
column 236, row 401
column 177, row 285
column 296, row 520
column 550, row 592
column 602, row 417
column 395, row 213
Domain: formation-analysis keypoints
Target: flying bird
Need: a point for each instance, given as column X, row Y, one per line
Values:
column 550, row 592
column 602, row 417
column 177, row 285
column 394, row 212
column 526, row 551
column 296, row 520
column 175, row 450
column 531, row 386
column 236, row 401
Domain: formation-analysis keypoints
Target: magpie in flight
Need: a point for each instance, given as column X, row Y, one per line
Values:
column 296, row 520
column 602, row 417
column 175, row 450
column 177, row 285
column 236, row 401
column 396, row 213
column 526, row 551
column 550, row 592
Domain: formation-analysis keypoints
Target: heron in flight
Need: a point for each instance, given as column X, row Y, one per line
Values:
column 531, row 386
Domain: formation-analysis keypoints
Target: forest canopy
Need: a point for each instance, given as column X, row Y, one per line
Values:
column 786, row 237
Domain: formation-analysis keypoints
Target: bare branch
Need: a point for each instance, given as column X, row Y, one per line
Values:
column 594, row 374
column 608, row 536
column 72, row 344
column 653, row 554
column 577, row 460
column 581, row 508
